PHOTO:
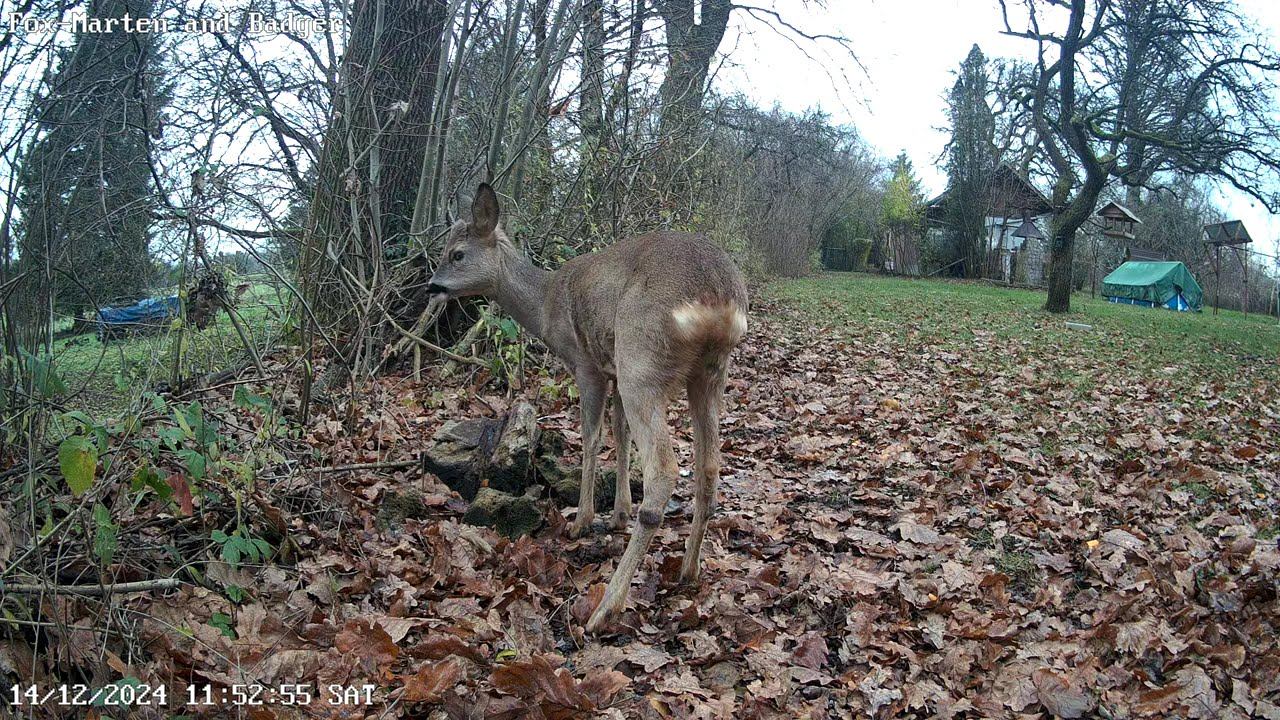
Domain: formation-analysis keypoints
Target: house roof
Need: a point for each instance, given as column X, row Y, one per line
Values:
column 1010, row 195
column 1138, row 253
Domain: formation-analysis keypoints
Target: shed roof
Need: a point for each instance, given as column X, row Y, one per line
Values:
column 1231, row 232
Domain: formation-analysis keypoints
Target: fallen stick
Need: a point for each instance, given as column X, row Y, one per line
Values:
column 432, row 346
column 127, row 587
column 386, row 465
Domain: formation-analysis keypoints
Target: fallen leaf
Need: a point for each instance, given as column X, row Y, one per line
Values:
column 1059, row 695
column 432, row 680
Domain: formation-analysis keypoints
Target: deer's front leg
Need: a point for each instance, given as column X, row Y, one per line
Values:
column 622, row 492
column 591, row 396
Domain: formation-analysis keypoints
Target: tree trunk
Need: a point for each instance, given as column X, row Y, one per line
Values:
column 690, row 48
column 370, row 169
column 592, row 107
column 1066, row 224
column 1060, row 251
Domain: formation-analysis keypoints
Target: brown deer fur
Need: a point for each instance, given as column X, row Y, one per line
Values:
column 649, row 315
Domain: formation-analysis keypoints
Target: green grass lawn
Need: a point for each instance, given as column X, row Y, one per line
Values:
column 105, row 378
column 916, row 313
column 910, row 313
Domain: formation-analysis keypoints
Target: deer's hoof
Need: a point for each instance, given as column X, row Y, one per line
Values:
column 690, row 574
column 580, row 529
column 620, row 520
column 600, row 619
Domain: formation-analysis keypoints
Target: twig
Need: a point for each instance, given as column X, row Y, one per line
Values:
column 127, row 587
column 387, row 465
column 432, row 346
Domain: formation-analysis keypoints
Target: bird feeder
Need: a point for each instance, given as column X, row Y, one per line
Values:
column 1118, row 221
column 1028, row 230
column 1234, row 235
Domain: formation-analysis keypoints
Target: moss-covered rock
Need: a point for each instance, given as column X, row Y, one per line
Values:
column 499, row 450
column 396, row 507
column 457, row 453
column 565, row 482
column 511, row 515
column 512, row 458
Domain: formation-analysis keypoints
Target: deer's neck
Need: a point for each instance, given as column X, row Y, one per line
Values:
column 521, row 290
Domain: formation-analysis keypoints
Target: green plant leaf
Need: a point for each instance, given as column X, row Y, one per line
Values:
column 171, row 436
column 196, row 425
column 146, row 477
column 231, row 553
column 263, row 547
column 222, row 621
column 195, row 463
column 100, row 699
column 44, row 377
column 180, row 417
column 509, row 328
column 106, row 534
column 78, row 460
column 250, row 400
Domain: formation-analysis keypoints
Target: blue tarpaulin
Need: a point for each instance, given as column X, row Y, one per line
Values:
column 149, row 312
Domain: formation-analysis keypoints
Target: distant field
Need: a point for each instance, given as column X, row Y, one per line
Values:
column 101, row 378
column 912, row 314
column 921, row 313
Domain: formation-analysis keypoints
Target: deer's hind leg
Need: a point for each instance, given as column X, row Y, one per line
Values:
column 622, row 438
column 706, row 393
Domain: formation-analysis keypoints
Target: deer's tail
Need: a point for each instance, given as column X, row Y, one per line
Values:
column 710, row 326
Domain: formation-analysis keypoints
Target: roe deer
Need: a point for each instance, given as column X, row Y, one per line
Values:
column 650, row 314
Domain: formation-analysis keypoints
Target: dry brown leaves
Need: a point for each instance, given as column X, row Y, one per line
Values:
column 903, row 532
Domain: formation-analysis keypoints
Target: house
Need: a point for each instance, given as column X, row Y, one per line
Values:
column 1015, row 214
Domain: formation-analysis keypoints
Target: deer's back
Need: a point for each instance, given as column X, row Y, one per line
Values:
column 668, row 293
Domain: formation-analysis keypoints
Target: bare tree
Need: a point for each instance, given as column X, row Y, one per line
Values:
column 690, row 47
column 1127, row 90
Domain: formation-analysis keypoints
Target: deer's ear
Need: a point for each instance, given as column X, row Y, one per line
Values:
column 484, row 211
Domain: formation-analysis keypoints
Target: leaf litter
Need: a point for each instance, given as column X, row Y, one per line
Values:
column 905, row 529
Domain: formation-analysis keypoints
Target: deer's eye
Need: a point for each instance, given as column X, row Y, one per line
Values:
column 456, row 256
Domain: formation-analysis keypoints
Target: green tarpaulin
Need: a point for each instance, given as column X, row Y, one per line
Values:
column 1153, row 282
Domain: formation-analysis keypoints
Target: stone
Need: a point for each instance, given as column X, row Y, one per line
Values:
column 511, row 461
column 457, row 453
column 396, row 507
column 501, row 450
column 565, row 482
column 511, row 515
column 510, row 454
column 722, row 676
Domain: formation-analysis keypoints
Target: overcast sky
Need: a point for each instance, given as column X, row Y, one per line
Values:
column 909, row 49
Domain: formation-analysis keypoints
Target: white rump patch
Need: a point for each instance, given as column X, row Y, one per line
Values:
column 739, row 323
column 693, row 317
column 689, row 316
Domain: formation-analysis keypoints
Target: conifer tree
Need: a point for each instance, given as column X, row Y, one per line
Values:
column 970, row 163
column 86, row 194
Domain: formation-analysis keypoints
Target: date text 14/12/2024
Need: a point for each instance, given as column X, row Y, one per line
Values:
column 126, row 693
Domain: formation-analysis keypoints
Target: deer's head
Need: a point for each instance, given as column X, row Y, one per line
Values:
column 472, row 257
